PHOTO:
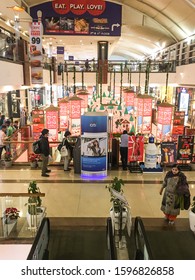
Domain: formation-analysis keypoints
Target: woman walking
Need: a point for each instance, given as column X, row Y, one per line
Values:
column 173, row 182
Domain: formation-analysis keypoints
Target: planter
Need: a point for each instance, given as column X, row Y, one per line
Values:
column 34, row 221
column 192, row 220
column 40, row 164
column 33, row 164
column 8, row 163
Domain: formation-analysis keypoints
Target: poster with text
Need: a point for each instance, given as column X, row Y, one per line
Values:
column 185, row 147
column 168, row 152
column 135, row 148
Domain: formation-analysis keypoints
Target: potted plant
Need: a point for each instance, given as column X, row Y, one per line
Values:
column 39, row 161
column 119, row 212
column 33, row 159
column 11, row 215
column 35, row 210
column 8, row 159
column 192, row 215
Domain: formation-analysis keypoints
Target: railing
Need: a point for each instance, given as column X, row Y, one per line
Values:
column 143, row 250
column 115, row 66
column 110, row 240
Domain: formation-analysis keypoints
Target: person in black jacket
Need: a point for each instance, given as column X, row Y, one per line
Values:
column 44, row 147
column 68, row 158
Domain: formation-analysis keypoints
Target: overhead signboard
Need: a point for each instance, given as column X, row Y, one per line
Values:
column 80, row 17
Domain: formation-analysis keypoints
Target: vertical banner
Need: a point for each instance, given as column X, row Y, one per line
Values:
column 52, row 122
column 168, row 152
column 36, row 52
column 38, row 123
column 94, row 145
column 60, row 63
column 75, row 115
column 185, row 147
column 164, row 121
column 64, row 114
column 144, row 114
column 135, row 148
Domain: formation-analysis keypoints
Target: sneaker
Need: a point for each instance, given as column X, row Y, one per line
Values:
column 44, row 175
column 171, row 222
column 48, row 171
column 67, row 169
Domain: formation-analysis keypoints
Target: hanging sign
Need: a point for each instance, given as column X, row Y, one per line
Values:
column 38, row 123
column 36, row 52
column 64, row 114
column 80, row 17
column 52, row 123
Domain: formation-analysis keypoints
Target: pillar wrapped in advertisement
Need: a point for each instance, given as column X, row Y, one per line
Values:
column 94, row 145
column 36, row 53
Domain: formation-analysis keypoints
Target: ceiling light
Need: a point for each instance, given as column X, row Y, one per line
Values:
column 17, row 8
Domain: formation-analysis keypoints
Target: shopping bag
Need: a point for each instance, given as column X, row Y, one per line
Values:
column 64, row 151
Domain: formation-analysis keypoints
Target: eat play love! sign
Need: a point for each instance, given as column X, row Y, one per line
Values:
column 79, row 7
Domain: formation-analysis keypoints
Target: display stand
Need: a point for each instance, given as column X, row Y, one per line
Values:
column 184, row 166
column 134, row 167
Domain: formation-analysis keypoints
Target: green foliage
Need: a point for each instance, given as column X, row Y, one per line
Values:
column 34, row 201
column 116, row 185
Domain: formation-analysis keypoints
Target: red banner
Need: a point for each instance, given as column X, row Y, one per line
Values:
column 164, row 115
column 135, row 148
column 52, row 125
column 75, row 109
column 129, row 98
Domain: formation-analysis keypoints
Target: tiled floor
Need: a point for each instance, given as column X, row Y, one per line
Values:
column 68, row 195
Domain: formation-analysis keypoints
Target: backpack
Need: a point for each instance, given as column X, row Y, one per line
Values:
column 36, row 147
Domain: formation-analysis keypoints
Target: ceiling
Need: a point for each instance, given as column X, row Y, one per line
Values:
column 147, row 27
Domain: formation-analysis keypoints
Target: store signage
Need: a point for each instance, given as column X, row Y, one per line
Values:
column 77, row 17
column 36, row 52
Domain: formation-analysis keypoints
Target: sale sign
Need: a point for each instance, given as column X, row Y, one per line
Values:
column 36, row 52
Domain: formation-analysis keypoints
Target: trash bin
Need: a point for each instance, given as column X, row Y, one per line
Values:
column 77, row 156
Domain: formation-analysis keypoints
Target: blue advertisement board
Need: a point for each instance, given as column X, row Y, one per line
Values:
column 99, row 18
column 93, row 124
column 94, row 145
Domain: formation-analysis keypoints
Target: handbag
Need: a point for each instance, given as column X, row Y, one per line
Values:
column 186, row 201
column 64, row 151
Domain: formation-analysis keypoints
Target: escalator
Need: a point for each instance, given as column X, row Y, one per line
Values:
column 156, row 240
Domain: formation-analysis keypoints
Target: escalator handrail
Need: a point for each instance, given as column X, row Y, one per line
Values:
column 39, row 232
column 111, row 239
column 139, row 222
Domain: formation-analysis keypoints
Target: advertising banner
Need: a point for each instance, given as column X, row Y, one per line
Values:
column 64, row 112
column 135, row 148
column 168, row 152
column 36, row 52
column 52, row 124
column 185, row 147
column 94, row 154
column 38, row 123
column 80, row 17
column 94, row 142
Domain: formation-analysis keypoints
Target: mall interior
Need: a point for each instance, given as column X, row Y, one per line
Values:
column 76, row 67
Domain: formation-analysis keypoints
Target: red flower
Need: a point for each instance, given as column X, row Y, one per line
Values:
column 12, row 213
